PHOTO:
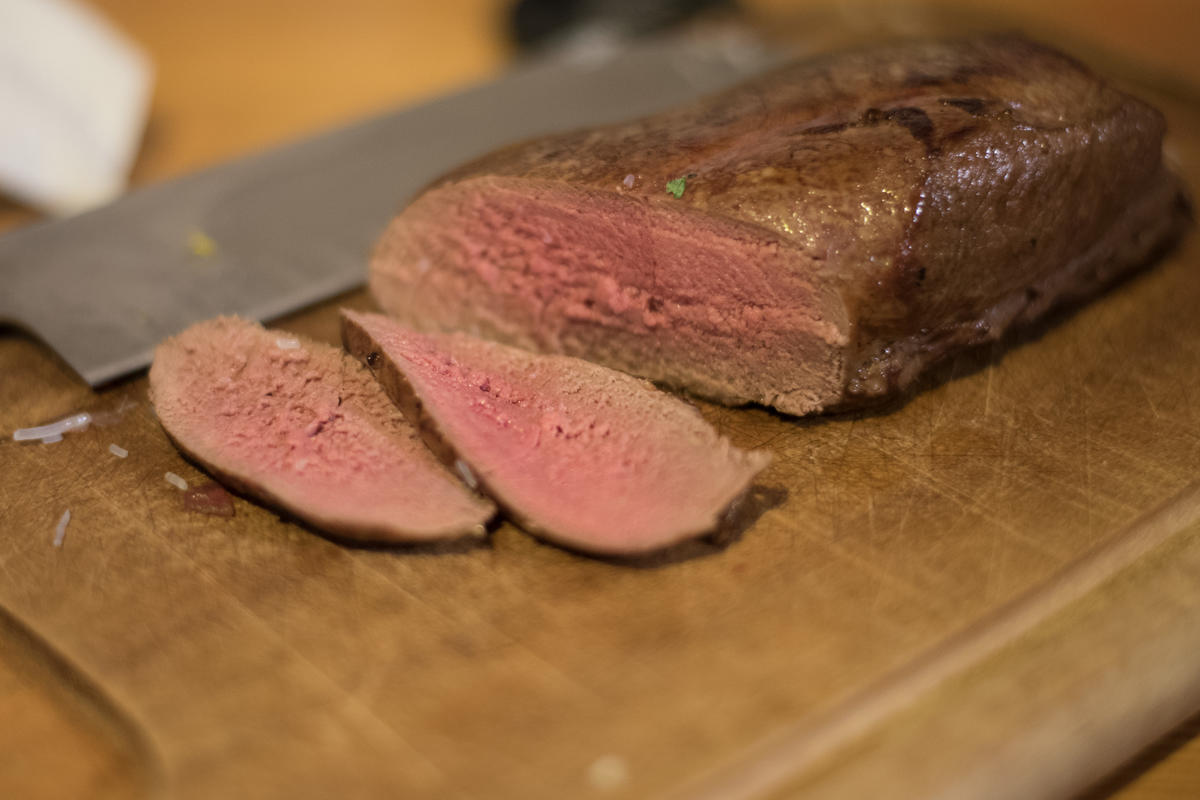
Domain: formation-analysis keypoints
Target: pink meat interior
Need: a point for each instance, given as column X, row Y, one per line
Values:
column 307, row 426
column 681, row 298
column 585, row 454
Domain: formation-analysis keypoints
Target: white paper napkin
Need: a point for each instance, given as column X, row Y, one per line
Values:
column 73, row 99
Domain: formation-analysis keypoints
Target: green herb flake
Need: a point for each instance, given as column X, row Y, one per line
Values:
column 677, row 186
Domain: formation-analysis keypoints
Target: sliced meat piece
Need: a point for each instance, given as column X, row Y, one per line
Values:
column 579, row 454
column 304, row 427
column 815, row 238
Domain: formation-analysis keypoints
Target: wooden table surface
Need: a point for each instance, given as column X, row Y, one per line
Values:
column 237, row 75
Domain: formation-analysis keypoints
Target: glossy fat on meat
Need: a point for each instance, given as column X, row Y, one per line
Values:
column 302, row 426
column 577, row 453
column 844, row 223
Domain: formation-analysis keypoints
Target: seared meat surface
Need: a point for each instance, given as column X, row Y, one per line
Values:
column 831, row 229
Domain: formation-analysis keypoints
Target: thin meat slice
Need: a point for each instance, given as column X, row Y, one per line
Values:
column 304, row 427
column 579, row 454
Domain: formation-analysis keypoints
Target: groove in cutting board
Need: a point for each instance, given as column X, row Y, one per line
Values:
column 1046, row 715
column 100, row 752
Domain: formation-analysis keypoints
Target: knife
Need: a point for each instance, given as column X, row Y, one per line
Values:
column 267, row 234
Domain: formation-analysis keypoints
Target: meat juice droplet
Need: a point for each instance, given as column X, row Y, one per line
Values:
column 209, row 498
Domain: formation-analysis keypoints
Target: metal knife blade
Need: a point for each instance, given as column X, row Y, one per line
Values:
column 295, row 225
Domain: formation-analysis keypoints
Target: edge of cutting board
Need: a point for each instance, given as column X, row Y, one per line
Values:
column 103, row 751
column 985, row 694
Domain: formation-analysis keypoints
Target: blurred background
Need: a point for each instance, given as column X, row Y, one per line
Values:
column 233, row 76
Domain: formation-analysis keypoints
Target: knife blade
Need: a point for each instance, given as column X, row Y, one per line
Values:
column 295, row 225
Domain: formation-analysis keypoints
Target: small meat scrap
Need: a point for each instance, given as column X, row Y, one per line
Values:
column 209, row 498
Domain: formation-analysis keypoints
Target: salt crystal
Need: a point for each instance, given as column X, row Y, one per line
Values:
column 176, row 481
column 117, row 450
column 284, row 343
column 608, row 773
column 75, row 422
column 628, row 181
column 60, row 530
column 465, row 473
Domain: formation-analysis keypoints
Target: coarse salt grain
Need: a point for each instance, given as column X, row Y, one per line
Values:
column 285, row 343
column 60, row 530
column 117, row 450
column 608, row 773
column 47, row 433
column 628, row 181
column 465, row 473
column 176, row 481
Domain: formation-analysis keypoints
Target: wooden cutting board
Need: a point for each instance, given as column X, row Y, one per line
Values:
column 986, row 592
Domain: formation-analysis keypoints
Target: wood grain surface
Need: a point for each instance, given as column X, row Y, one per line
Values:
column 986, row 592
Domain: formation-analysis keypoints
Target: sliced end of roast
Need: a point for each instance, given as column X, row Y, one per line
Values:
column 303, row 427
column 724, row 309
column 578, row 454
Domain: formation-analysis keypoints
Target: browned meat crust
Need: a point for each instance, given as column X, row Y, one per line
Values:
column 845, row 223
